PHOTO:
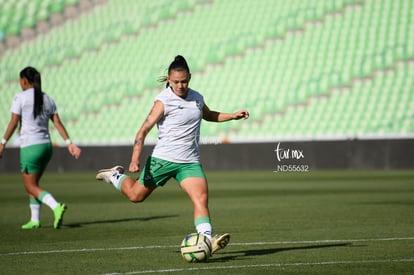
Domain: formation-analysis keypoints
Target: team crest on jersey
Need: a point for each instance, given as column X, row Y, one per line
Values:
column 198, row 104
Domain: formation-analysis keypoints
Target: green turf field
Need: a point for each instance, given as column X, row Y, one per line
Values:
column 280, row 223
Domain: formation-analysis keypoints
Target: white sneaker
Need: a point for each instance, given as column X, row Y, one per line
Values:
column 105, row 174
column 219, row 242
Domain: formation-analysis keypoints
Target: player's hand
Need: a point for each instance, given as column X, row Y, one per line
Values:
column 241, row 114
column 134, row 167
column 74, row 150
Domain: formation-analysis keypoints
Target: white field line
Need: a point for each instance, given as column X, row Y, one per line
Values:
column 379, row 261
column 177, row 246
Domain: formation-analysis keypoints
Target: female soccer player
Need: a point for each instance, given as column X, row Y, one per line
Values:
column 177, row 111
column 33, row 109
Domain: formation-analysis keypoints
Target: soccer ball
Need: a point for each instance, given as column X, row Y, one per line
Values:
column 195, row 248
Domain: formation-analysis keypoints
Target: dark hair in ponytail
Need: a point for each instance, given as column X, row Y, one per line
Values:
column 33, row 76
column 179, row 64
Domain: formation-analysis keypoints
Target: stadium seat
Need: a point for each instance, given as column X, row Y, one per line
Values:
column 303, row 70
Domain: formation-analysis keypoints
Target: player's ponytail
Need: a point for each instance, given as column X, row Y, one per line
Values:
column 179, row 64
column 33, row 77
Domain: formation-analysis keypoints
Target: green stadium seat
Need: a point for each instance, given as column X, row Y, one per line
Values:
column 321, row 80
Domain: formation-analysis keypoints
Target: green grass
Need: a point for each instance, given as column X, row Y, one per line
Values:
column 329, row 222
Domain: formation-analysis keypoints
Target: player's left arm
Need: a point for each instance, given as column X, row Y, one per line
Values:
column 74, row 150
column 215, row 116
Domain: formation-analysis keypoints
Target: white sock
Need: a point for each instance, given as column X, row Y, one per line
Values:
column 117, row 179
column 48, row 199
column 206, row 229
column 35, row 206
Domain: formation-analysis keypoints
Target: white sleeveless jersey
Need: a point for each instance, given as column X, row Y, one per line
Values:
column 33, row 131
column 179, row 129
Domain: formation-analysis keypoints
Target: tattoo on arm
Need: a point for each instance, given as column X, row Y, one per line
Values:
column 145, row 128
column 137, row 142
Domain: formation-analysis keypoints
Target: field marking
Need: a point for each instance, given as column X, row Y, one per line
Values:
column 177, row 246
column 378, row 261
column 328, row 241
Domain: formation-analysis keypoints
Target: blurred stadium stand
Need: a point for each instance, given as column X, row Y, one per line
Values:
column 306, row 70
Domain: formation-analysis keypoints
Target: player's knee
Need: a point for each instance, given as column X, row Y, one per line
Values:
column 137, row 198
column 137, row 193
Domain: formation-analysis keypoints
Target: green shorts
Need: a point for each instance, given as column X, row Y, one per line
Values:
column 35, row 158
column 158, row 171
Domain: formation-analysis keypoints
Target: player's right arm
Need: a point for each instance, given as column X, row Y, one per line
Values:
column 153, row 117
column 14, row 120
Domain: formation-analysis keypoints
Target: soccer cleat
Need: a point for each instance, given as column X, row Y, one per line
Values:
column 58, row 212
column 219, row 242
column 105, row 174
column 31, row 225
